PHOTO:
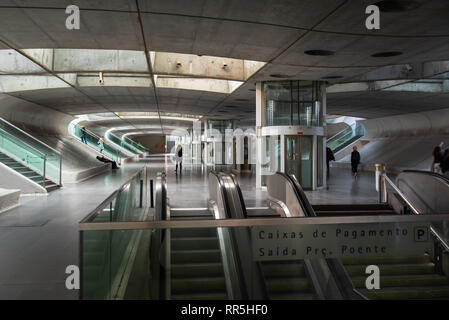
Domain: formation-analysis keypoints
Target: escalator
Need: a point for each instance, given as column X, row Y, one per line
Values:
column 279, row 280
column 29, row 157
column 194, row 267
column 28, row 172
column 402, row 277
column 346, row 137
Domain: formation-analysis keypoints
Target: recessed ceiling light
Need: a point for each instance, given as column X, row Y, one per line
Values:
column 397, row 6
column 319, row 52
column 386, row 54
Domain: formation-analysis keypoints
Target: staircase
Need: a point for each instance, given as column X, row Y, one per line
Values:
column 413, row 277
column 287, row 280
column 27, row 172
column 196, row 266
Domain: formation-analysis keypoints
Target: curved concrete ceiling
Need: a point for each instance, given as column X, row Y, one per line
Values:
column 278, row 32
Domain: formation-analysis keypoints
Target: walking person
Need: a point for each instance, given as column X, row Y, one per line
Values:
column 101, row 144
column 329, row 157
column 178, row 157
column 437, row 157
column 355, row 161
column 83, row 135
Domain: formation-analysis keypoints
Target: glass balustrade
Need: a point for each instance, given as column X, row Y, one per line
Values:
column 253, row 260
column 29, row 151
column 123, row 144
column 346, row 137
column 135, row 144
column 93, row 141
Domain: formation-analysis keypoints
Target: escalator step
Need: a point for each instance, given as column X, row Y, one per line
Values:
column 196, row 270
column 192, row 256
column 198, row 243
column 198, row 285
column 283, row 285
column 393, row 269
column 283, row 270
column 426, row 280
column 386, row 260
column 393, row 293
column 201, row 296
column 192, row 233
column 292, row 296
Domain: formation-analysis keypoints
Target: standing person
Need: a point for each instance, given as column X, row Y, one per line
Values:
column 445, row 163
column 178, row 157
column 83, row 135
column 329, row 157
column 101, row 144
column 437, row 157
column 355, row 160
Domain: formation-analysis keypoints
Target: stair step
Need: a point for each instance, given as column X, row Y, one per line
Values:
column 393, row 293
column 279, row 270
column 198, row 285
column 196, row 243
column 393, row 269
column 201, row 296
column 290, row 284
column 189, row 256
column 426, row 280
column 192, row 233
column 196, row 270
column 292, row 296
column 386, row 260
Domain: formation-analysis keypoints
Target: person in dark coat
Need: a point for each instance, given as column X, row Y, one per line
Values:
column 445, row 163
column 329, row 157
column 355, row 161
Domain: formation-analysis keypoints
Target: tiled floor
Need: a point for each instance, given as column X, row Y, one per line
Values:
column 40, row 238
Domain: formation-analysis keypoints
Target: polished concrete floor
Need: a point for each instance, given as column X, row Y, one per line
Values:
column 39, row 239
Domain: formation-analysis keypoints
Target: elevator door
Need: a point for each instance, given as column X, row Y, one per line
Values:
column 298, row 159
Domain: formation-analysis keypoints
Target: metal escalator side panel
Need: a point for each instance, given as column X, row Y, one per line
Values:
column 281, row 189
column 427, row 191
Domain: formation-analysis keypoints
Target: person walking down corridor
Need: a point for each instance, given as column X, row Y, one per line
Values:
column 83, row 135
column 437, row 157
column 355, row 161
column 329, row 157
column 101, row 144
column 178, row 158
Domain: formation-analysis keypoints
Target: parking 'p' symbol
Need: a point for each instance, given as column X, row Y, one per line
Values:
column 421, row 234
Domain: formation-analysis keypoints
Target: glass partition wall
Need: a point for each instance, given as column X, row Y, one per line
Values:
column 293, row 112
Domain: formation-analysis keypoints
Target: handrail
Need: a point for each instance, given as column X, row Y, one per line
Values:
column 26, row 144
column 430, row 173
column 110, row 198
column 30, row 136
column 416, row 212
column 339, row 132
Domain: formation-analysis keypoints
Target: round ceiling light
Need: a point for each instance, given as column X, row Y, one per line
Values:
column 319, row 52
column 397, row 6
column 386, row 54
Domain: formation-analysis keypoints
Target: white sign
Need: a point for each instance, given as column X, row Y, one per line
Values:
column 339, row 240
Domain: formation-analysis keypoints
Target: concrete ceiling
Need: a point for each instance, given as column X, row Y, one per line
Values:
column 274, row 31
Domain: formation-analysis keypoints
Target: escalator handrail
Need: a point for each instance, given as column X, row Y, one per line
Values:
column 240, row 197
column 430, row 173
column 435, row 233
column 161, row 197
column 229, row 215
column 223, row 194
column 335, row 266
